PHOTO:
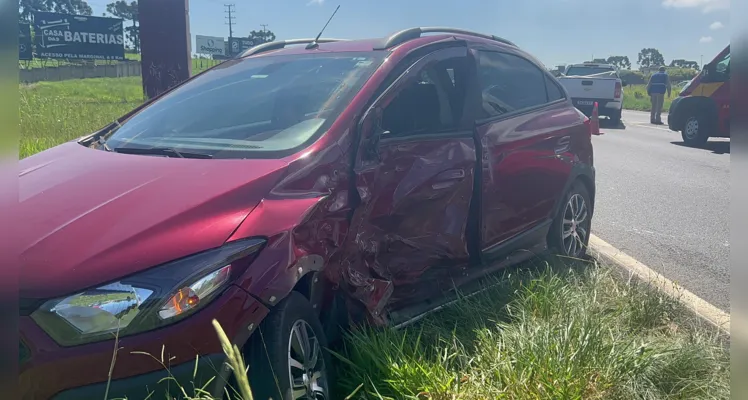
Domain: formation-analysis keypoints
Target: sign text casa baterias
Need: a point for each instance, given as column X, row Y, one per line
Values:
column 78, row 37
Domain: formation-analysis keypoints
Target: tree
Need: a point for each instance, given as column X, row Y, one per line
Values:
column 128, row 12
column 621, row 62
column 650, row 57
column 76, row 7
column 680, row 63
column 262, row 36
column 599, row 61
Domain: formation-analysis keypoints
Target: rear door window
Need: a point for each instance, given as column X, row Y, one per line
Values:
column 554, row 91
column 509, row 83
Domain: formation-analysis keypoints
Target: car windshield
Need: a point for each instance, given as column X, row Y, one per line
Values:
column 250, row 108
column 585, row 71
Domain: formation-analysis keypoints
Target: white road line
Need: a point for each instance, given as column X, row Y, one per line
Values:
column 644, row 125
column 701, row 307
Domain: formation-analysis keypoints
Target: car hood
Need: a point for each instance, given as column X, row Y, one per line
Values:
column 88, row 216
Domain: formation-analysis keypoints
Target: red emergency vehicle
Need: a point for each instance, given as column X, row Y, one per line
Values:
column 702, row 110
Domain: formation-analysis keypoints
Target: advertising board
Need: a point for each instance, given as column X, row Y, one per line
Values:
column 25, row 52
column 78, row 37
column 210, row 45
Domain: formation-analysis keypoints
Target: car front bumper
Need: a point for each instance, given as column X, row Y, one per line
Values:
column 154, row 384
column 674, row 118
column 51, row 371
column 605, row 107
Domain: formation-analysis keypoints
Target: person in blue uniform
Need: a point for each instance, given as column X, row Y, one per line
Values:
column 659, row 84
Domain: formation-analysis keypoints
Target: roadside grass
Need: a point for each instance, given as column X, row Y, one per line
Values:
column 635, row 98
column 52, row 113
column 550, row 329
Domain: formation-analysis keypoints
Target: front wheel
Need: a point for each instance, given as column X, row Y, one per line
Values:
column 695, row 131
column 569, row 234
column 288, row 358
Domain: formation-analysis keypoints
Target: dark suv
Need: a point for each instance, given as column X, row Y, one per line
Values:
column 285, row 193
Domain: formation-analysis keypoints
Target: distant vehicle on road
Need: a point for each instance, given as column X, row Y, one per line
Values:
column 702, row 109
column 303, row 186
column 591, row 83
column 681, row 85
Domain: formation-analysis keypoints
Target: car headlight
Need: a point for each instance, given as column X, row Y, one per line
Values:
column 147, row 300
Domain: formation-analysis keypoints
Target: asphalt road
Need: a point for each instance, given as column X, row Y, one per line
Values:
column 665, row 204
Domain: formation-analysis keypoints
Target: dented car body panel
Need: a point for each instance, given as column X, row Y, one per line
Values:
column 406, row 194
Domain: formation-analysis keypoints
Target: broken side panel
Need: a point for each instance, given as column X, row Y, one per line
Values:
column 408, row 234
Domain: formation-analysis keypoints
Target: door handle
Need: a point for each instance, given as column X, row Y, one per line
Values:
column 448, row 178
column 563, row 145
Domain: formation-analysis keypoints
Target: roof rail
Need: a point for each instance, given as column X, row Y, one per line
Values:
column 261, row 48
column 414, row 33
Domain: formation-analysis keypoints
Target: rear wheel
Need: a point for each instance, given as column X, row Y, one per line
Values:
column 615, row 118
column 288, row 358
column 695, row 131
column 570, row 230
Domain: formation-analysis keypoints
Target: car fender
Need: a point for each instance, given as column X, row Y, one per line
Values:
column 580, row 172
column 689, row 105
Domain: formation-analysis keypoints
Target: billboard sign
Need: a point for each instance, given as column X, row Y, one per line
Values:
column 211, row 45
column 238, row 45
column 78, row 37
column 25, row 52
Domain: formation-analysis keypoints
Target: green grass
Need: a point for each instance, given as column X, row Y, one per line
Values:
column 635, row 98
column 554, row 332
column 55, row 112
column 547, row 330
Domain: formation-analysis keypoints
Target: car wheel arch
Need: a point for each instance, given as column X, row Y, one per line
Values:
column 693, row 105
column 583, row 174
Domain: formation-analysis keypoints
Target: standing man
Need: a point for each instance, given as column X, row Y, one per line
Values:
column 659, row 84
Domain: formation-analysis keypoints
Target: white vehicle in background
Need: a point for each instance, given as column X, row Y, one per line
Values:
column 589, row 83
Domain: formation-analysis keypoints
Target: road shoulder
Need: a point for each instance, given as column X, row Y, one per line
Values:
column 605, row 251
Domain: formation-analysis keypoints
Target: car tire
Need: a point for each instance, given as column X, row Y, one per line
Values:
column 695, row 130
column 569, row 233
column 615, row 118
column 292, row 326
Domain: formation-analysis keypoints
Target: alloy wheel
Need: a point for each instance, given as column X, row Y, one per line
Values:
column 575, row 225
column 306, row 365
column 691, row 130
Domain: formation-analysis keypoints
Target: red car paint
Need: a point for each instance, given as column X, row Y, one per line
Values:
column 380, row 230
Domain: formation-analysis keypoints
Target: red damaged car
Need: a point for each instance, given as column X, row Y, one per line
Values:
column 285, row 193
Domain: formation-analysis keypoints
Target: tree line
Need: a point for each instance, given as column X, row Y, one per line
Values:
column 120, row 9
column 648, row 57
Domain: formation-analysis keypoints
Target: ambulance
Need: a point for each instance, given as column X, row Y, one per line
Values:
column 702, row 109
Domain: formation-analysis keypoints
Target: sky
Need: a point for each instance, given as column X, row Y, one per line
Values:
column 555, row 31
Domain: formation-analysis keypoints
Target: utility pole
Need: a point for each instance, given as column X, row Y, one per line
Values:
column 230, row 18
column 264, row 32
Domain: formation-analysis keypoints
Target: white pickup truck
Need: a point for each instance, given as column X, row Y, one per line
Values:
column 589, row 83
